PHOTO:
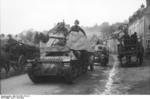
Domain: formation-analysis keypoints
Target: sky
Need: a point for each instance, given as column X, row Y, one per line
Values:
column 19, row 15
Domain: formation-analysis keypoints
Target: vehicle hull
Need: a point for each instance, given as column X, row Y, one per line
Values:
column 69, row 70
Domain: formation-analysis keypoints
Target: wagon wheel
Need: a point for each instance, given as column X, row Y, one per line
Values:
column 140, row 60
column 120, row 60
column 128, row 60
column 21, row 62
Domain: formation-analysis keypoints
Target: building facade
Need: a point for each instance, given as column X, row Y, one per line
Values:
column 140, row 23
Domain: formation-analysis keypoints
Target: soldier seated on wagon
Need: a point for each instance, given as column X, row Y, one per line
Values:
column 126, row 40
column 134, row 37
column 10, row 43
column 11, row 40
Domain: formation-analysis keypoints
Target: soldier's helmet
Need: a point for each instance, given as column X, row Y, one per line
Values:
column 76, row 22
column 9, row 36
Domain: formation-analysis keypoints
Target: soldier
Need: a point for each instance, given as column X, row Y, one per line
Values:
column 63, row 29
column 79, row 43
column 134, row 37
column 10, row 43
column 11, row 40
column 126, row 39
column 17, row 38
column 2, row 36
column 76, row 35
column 77, row 28
column 60, row 28
column 3, row 41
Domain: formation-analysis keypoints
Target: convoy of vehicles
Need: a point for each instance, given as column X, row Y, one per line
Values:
column 57, row 59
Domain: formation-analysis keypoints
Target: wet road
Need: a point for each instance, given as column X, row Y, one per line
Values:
column 97, row 82
column 104, row 80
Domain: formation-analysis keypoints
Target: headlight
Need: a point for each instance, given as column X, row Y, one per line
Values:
column 66, row 64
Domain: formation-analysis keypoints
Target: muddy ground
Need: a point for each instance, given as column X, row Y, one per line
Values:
column 112, row 80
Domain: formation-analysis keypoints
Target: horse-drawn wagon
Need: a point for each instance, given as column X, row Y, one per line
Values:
column 15, row 54
column 129, row 50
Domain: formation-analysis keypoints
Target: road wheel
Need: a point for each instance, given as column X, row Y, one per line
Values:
column 35, row 79
column 69, row 77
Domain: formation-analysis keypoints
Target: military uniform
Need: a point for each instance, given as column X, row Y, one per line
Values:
column 77, row 28
column 134, row 38
column 126, row 41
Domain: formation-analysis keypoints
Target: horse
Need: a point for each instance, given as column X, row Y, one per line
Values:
column 40, row 37
column 4, row 61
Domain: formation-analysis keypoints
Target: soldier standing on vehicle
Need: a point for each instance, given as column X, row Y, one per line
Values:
column 78, row 42
column 76, row 37
column 77, row 28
